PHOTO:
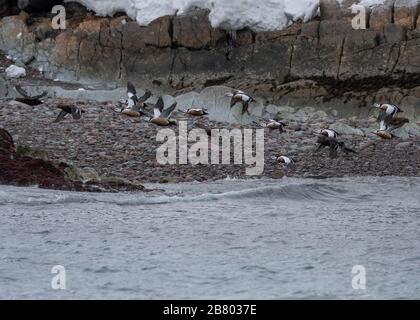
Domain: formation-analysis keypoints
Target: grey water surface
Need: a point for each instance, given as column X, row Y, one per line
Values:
column 231, row 239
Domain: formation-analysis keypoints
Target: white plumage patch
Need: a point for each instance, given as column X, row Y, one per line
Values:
column 156, row 113
column 330, row 133
column 243, row 97
column 130, row 103
column 382, row 126
column 285, row 159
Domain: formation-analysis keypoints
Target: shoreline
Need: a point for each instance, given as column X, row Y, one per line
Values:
column 115, row 145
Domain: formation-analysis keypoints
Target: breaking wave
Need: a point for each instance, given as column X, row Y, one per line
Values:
column 292, row 189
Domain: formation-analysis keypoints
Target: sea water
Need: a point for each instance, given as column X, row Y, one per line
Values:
column 231, row 239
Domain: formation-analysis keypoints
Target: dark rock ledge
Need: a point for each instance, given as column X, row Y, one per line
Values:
column 26, row 167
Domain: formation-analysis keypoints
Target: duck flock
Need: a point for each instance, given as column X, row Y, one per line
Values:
column 135, row 106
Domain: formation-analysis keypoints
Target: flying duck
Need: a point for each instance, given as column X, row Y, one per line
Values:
column 333, row 144
column 65, row 110
column 196, row 112
column 162, row 117
column 240, row 96
column 386, row 113
column 134, row 105
column 285, row 160
column 384, row 134
column 274, row 125
column 330, row 133
column 29, row 100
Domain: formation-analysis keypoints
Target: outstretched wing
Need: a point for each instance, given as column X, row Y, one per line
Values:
column 157, row 110
column 61, row 116
column 25, row 94
column 381, row 115
column 245, row 105
column 131, row 93
column 132, row 102
column 396, row 123
column 131, row 89
column 22, row 92
column 384, row 119
column 168, row 112
column 333, row 150
column 146, row 96
column 348, row 150
column 233, row 101
column 40, row 96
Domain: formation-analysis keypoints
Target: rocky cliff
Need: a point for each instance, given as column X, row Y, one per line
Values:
column 317, row 61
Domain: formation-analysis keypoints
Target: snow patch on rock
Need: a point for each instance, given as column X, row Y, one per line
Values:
column 14, row 71
column 229, row 15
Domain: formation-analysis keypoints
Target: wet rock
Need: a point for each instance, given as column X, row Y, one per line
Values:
column 409, row 129
column 81, row 174
column 345, row 129
column 403, row 145
column 279, row 109
column 187, row 100
column 194, row 31
column 26, row 151
column 21, row 169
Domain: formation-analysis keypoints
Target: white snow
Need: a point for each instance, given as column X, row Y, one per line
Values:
column 371, row 3
column 14, row 71
column 226, row 14
column 259, row 15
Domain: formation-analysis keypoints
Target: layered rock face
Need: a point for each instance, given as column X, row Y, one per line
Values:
column 185, row 52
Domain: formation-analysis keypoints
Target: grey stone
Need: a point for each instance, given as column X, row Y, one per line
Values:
column 345, row 129
column 186, row 101
column 403, row 145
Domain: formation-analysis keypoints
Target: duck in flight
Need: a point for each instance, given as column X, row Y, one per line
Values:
column 162, row 116
column 240, row 96
column 134, row 105
column 65, row 110
column 286, row 160
column 330, row 133
column 196, row 112
column 386, row 113
column 28, row 99
column 333, row 144
column 273, row 125
column 387, row 120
